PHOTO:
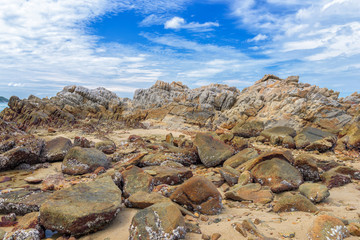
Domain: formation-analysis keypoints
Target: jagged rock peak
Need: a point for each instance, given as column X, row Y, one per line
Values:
column 177, row 86
column 271, row 77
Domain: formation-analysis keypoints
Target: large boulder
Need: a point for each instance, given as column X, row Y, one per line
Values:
column 198, row 194
column 159, row 221
column 212, row 151
column 248, row 129
column 27, row 150
column 327, row 227
column 278, row 174
column 135, row 180
column 297, row 202
column 56, row 149
column 250, row 192
column 279, row 135
column 83, row 160
column 307, row 165
column 315, row 139
column 82, row 208
column 316, row 192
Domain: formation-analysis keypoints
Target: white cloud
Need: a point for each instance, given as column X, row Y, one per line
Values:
column 257, row 38
column 180, row 23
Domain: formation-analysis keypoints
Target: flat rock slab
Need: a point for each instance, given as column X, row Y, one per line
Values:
column 83, row 160
column 144, row 199
column 22, row 201
column 169, row 175
column 316, row 192
column 212, row 151
column 160, row 221
column 82, row 208
column 250, row 192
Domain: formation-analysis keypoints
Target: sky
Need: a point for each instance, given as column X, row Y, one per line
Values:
column 124, row 45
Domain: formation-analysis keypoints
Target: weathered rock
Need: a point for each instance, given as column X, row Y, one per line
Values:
column 354, row 229
column 27, row 150
column 56, row 149
column 230, row 175
column 326, row 227
column 245, row 178
column 314, row 191
column 336, row 177
column 159, row 221
column 184, row 156
column 278, row 174
column 22, row 201
column 307, row 166
column 248, row 129
column 239, row 143
column 198, row 194
column 28, row 227
column 82, row 142
column 211, row 151
column 82, row 208
column 83, row 160
column 277, row 135
column 107, row 147
column 168, row 175
column 289, row 203
column 241, row 157
column 144, row 199
column 250, row 192
column 135, row 180
column 315, row 139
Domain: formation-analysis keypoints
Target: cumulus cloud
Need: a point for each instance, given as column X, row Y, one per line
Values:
column 180, row 23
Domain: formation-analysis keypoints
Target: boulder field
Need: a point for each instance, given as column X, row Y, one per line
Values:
column 207, row 163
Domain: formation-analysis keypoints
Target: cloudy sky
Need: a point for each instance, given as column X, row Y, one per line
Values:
column 128, row 44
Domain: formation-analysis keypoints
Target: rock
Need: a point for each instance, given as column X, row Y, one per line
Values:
column 171, row 164
column 211, row 151
column 184, row 156
column 333, row 178
column 284, row 155
column 107, row 147
column 245, row 178
column 27, row 150
column 353, row 173
column 250, row 192
column 279, row 135
column 315, row 139
column 144, row 199
column 241, row 157
column 354, row 229
column 239, row 143
column 278, row 174
column 168, row 175
column 135, row 180
column 83, row 160
column 28, row 227
column 314, row 191
column 198, row 194
column 248, row 129
column 326, row 227
column 33, row 180
column 307, row 166
column 250, row 227
column 215, row 236
column 159, row 221
column 22, row 201
column 81, row 142
column 297, row 202
column 82, row 208
column 56, row 149
column 53, row 182
column 230, row 175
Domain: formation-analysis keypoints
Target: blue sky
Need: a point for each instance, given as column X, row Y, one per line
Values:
column 128, row 44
